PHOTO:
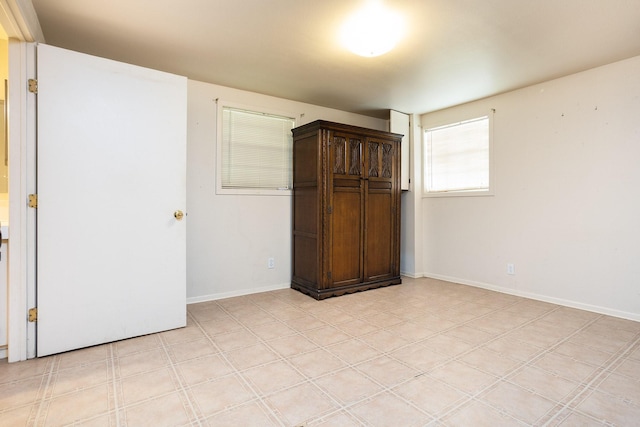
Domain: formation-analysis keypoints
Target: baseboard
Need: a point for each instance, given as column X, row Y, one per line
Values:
column 412, row 275
column 545, row 298
column 238, row 293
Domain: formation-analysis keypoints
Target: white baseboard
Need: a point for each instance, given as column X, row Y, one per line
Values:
column 412, row 275
column 238, row 293
column 545, row 298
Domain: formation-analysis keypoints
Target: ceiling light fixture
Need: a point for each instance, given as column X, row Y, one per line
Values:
column 372, row 31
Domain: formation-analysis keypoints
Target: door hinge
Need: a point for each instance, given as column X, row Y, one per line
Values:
column 329, row 274
column 33, row 200
column 33, row 314
column 330, row 209
column 33, row 85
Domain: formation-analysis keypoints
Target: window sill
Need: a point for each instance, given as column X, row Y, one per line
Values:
column 252, row 192
column 463, row 193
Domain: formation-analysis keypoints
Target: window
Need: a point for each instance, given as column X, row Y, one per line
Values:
column 457, row 158
column 255, row 152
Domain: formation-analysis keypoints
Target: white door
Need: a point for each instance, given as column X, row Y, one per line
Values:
column 111, row 172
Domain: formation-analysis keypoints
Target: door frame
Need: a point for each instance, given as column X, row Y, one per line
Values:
column 20, row 22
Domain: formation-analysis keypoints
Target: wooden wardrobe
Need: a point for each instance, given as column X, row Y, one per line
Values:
column 346, row 209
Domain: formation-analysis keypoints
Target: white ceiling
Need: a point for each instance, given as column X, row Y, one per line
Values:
column 454, row 51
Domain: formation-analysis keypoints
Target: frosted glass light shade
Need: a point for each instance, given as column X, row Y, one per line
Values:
column 372, row 31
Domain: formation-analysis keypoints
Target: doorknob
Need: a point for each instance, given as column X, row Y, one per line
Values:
column 179, row 215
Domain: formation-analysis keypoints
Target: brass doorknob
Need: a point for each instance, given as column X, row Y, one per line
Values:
column 179, row 215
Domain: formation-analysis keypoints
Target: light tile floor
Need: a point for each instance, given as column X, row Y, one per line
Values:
column 425, row 353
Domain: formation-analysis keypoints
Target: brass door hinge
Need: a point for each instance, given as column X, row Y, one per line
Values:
column 33, row 314
column 33, row 200
column 33, row 85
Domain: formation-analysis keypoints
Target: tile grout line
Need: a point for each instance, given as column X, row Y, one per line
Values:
column 178, row 378
column 115, row 379
column 42, row 392
column 473, row 396
column 600, row 377
column 235, row 370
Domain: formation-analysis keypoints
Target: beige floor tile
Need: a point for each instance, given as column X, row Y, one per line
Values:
column 576, row 419
column 84, row 356
column 235, row 339
column 384, row 341
column 333, row 316
column 191, row 350
column 221, row 394
column 618, row 323
column 410, row 331
column 301, row 404
column 304, row 322
column 273, row 376
column 518, row 402
column 74, row 407
column 292, row 345
column 382, row 319
column 430, row 394
column 83, row 376
column 514, row 349
column 447, row 345
column 251, row 414
column 167, row 410
column 317, row 363
column 202, row 370
column 218, row 327
column 21, row 392
column 630, row 368
column 256, row 317
column 544, row 383
column 623, row 387
column 462, row 355
column 420, row 357
column 583, row 353
column 147, row 385
column 607, row 344
column 489, row 361
column 23, row 370
column 272, row 330
column 463, row 377
column 182, row 335
column 249, row 357
column 348, row 386
column 470, row 335
column 353, row 351
column 611, row 409
column 388, row 410
column 134, row 345
column 477, row 414
column 338, row 419
column 326, row 335
column 15, row 417
column 387, row 371
column 356, row 327
column 143, row 361
column 565, row 367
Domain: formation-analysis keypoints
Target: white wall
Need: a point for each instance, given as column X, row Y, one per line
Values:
column 230, row 237
column 566, row 209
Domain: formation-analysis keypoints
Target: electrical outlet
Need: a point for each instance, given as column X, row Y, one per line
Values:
column 511, row 269
column 271, row 263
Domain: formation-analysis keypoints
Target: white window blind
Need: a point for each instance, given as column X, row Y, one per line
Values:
column 256, row 150
column 457, row 157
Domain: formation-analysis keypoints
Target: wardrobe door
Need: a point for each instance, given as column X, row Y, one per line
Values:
column 345, row 210
column 380, row 232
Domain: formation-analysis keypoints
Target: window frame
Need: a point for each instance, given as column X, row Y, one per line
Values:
column 219, row 146
column 452, row 121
